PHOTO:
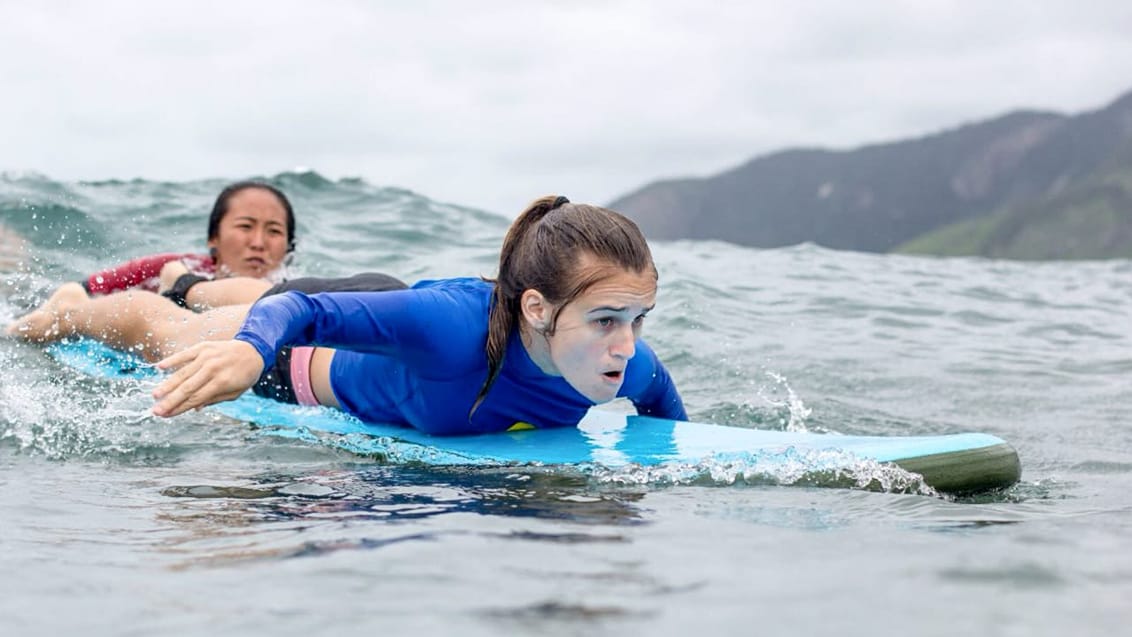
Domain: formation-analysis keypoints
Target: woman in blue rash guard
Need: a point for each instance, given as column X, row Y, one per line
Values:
column 557, row 332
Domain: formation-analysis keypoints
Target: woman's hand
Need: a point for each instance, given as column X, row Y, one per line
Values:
column 206, row 373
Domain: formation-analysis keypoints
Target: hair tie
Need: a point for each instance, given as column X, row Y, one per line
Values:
column 558, row 202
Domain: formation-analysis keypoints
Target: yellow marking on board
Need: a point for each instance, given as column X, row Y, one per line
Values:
column 521, row 426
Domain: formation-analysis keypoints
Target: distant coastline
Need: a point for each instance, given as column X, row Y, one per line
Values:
column 1026, row 185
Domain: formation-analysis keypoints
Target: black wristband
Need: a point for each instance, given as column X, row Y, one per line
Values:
column 86, row 285
column 181, row 287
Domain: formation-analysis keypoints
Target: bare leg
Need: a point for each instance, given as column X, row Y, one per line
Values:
column 42, row 324
column 139, row 321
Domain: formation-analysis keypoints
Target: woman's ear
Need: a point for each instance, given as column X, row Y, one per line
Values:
column 535, row 310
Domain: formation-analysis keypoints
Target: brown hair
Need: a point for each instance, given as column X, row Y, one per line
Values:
column 543, row 251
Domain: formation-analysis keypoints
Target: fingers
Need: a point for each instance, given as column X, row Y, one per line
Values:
column 206, row 373
column 174, row 361
column 182, row 363
column 178, row 402
column 176, row 393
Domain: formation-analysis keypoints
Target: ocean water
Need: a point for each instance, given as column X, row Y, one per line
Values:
column 113, row 522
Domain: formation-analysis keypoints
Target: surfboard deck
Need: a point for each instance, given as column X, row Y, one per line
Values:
column 956, row 463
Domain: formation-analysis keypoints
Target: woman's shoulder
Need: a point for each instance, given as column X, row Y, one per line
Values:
column 466, row 292
column 445, row 320
column 471, row 285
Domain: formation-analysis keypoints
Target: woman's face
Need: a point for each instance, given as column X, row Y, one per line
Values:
column 596, row 332
column 251, row 239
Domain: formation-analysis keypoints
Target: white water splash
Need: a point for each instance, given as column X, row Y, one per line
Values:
column 59, row 416
column 820, row 468
column 796, row 410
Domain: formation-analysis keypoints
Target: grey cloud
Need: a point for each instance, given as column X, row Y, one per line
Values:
column 493, row 104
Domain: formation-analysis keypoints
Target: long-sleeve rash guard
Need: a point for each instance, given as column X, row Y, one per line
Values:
column 143, row 272
column 416, row 357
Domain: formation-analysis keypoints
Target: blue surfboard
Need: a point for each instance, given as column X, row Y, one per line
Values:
column 956, row 463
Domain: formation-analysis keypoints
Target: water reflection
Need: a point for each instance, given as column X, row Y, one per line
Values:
column 374, row 507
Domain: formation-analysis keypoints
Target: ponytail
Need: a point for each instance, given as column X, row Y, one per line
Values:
column 505, row 300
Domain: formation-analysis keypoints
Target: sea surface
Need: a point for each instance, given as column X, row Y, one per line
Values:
column 113, row 522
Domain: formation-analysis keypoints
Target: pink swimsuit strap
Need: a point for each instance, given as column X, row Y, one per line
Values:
column 301, row 375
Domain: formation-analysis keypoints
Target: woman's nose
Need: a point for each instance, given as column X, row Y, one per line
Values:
column 624, row 344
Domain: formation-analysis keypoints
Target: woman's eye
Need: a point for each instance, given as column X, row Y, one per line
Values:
column 604, row 322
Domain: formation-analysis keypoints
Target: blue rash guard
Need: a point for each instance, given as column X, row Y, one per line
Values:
column 416, row 357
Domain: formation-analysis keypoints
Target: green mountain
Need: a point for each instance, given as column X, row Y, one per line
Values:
column 1027, row 185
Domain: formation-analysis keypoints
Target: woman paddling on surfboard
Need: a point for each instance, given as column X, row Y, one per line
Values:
column 554, row 334
column 251, row 231
column 251, row 234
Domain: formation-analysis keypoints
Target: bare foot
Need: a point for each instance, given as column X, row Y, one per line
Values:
column 47, row 323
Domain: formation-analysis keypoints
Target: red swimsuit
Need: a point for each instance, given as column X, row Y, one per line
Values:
column 143, row 272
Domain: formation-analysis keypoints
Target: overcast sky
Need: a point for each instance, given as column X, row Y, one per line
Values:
column 491, row 103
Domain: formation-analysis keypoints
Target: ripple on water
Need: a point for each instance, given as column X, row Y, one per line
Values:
column 1023, row 575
